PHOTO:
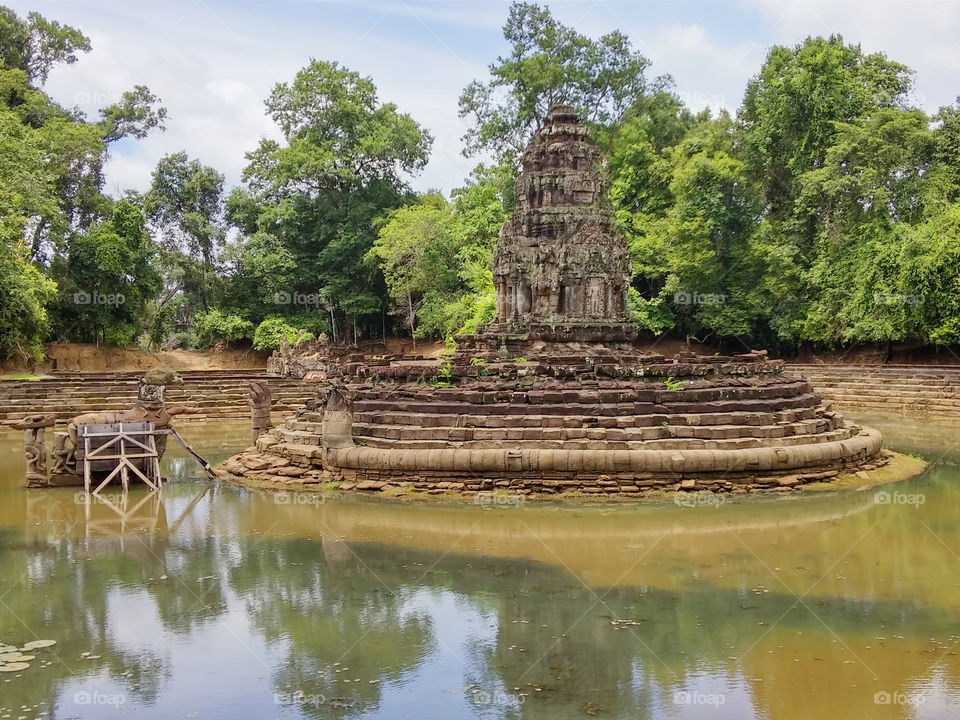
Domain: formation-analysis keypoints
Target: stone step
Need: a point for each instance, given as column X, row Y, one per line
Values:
column 299, row 437
column 215, row 394
column 585, row 444
column 917, row 390
column 805, row 400
column 885, row 383
column 573, row 420
column 585, row 395
column 455, row 434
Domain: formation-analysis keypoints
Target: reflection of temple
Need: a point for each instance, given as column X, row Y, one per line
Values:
column 561, row 259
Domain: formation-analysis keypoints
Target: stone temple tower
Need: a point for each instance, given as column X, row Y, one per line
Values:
column 561, row 267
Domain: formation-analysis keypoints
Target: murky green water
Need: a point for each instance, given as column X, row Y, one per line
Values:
column 215, row 602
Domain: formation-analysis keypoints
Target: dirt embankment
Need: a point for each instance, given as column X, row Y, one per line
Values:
column 80, row 357
column 76, row 357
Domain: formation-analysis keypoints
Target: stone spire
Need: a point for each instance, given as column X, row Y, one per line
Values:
column 560, row 259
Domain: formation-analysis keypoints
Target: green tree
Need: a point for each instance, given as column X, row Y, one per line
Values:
column 871, row 181
column 343, row 163
column 27, row 194
column 416, row 249
column 35, row 45
column 24, row 294
column 792, row 106
column 480, row 207
column 816, row 126
column 550, row 63
column 186, row 210
column 271, row 332
column 75, row 150
column 107, row 280
column 216, row 325
column 257, row 268
column 688, row 211
column 436, row 255
column 946, row 155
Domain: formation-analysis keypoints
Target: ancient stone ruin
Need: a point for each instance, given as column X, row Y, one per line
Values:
column 65, row 469
column 561, row 269
column 554, row 395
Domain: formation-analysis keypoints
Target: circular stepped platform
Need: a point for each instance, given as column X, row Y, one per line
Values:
column 605, row 421
column 554, row 395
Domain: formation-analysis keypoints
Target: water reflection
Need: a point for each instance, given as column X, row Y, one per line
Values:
column 215, row 602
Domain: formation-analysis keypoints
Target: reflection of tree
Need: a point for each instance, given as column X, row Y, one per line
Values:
column 62, row 570
column 581, row 659
column 321, row 602
column 554, row 634
column 52, row 591
column 346, row 613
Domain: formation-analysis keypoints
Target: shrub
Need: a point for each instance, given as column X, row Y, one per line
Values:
column 217, row 325
column 271, row 331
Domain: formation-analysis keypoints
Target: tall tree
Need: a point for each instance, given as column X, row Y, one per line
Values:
column 792, row 106
column 186, row 209
column 550, row 63
column 107, row 280
column 797, row 118
column 688, row 211
column 26, row 194
column 344, row 161
column 76, row 149
column 35, row 45
column 416, row 249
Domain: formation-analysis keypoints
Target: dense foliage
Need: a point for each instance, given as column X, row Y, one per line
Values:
column 825, row 211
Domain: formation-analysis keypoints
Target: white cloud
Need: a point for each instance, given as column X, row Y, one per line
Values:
column 920, row 34
column 212, row 71
column 213, row 63
column 706, row 72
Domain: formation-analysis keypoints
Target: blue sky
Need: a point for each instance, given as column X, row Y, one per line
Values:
column 214, row 61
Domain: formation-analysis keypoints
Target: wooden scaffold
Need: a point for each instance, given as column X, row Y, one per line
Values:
column 119, row 449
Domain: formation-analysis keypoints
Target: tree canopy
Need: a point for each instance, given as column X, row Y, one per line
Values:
column 550, row 63
column 824, row 211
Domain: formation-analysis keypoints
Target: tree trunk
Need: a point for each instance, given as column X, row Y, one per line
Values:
column 411, row 319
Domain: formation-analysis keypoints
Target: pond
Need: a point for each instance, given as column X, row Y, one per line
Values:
column 210, row 601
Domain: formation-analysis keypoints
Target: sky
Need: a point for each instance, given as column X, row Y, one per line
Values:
column 213, row 62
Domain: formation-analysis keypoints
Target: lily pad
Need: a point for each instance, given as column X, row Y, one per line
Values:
column 11, row 656
column 14, row 667
column 37, row 644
